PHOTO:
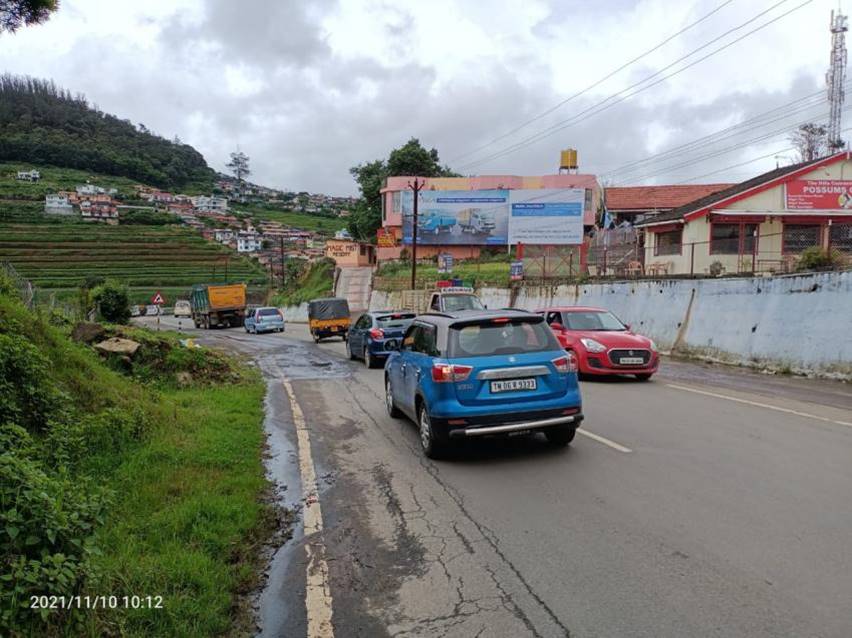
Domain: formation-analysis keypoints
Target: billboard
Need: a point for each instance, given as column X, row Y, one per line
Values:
column 819, row 194
column 465, row 218
column 547, row 216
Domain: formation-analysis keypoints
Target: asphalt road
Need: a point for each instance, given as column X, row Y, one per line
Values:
column 707, row 502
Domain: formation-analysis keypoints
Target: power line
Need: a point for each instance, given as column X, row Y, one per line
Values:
column 602, row 105
column 714, row 136
column 594, row 85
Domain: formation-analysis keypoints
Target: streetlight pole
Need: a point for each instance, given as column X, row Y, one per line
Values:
column 416, row 187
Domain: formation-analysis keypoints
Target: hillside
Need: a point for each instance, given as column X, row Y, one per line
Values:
column 45, row 125
column 59, row 257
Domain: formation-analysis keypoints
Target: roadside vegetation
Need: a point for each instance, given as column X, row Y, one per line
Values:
column 304, row 282
column 126, row 475
column 489, row 269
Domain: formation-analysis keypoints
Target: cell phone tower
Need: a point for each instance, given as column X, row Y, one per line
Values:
column 835, row 78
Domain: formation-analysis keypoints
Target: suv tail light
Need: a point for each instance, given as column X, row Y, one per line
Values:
column 377, row 333
column 449, row 372
column 566, row 364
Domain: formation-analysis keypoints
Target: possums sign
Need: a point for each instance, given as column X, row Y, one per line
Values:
column 819, row 194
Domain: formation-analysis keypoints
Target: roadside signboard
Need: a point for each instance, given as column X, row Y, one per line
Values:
column 466, row 218
column 445, row 263
column 819, row 194
column 158, row 299
column 516, row 270
column 385, row 238
column 552, row 216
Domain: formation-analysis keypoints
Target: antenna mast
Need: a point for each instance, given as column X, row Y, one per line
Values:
column 835, row 78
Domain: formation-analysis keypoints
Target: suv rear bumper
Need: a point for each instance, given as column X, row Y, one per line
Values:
column 507, row 422
column 523, row 426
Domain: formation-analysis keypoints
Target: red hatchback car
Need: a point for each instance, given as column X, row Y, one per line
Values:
column 603, row 345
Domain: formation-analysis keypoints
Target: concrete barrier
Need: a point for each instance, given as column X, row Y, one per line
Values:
column 799, row 323
column 295, row 314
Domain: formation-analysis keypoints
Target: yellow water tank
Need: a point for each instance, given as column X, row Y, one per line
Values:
column 568, row 159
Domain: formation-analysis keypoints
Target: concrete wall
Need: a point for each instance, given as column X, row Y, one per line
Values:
column 295, row 314
column 800, row 322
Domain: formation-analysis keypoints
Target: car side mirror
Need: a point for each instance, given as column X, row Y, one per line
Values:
column 557, row 327
column 627, row 327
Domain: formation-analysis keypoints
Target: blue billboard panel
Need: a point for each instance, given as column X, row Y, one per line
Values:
column 467, row 218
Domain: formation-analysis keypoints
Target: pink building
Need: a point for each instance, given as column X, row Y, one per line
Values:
column 390, row 235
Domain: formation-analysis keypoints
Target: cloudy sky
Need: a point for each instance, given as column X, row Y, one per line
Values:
column 309, row 88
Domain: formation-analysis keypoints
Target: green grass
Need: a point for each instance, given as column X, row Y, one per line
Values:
column 184, row 510
column 478, row 273
column 61, row 255
column 55, row 179
column 302, row 221
column 189, row 500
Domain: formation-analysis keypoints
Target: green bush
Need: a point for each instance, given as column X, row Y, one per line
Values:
column 46, row 532
column 816, row 258
column 113, row 302
column 26, row 395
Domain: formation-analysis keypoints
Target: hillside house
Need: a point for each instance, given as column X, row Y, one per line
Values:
column 210, row 204
column 223, row 235
column 57, row 204
column 28, row 176
column 249, row 242
column 89, row 190
column 99, row 211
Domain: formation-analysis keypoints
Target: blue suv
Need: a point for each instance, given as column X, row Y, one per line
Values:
column 376, row 334
column 477, row 373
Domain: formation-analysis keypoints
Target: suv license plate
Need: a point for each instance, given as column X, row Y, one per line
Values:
column 631, row 361
column 513, row 385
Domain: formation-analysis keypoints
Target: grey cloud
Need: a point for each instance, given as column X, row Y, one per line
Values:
column 280, row 33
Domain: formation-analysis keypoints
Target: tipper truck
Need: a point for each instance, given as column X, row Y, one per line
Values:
column 222, row 305
column 474, row 220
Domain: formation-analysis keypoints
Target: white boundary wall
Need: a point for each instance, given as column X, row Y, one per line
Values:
column 800, row 322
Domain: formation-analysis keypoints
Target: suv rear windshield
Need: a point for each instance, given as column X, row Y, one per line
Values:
column 491, row 337
column 397, row 320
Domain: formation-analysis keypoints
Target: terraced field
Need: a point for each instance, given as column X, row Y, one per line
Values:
column 60, row 256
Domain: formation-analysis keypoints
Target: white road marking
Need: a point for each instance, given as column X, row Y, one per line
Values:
column 604, row 440
column 318, row 601
column 768, row 406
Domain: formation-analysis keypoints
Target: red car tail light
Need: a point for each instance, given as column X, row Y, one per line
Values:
column 566, row 364
column 377, row 333
column 449, row 372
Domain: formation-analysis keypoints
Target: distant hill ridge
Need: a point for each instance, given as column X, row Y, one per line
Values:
column 43, row 124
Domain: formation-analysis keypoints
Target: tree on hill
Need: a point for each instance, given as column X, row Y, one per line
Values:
column 239, row 166
column 412, row 158
column 43, row 124
column 17, row 13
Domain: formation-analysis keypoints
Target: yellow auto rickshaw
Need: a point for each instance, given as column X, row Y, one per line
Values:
column 328, row 317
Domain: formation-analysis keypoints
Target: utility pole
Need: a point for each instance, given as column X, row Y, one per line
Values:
column 835, row 78
column 281, row 254
column 416, row 187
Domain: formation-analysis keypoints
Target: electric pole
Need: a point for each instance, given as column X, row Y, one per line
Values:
column 835, row 78
column 416, row 187
column 281, row 253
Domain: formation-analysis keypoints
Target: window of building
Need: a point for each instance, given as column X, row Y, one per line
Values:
column 798, row 237
column 397, row 206
column 840, row 237
column 732, row 239
column 669, row 242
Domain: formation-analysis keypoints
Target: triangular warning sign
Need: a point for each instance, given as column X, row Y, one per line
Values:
column 157, row 299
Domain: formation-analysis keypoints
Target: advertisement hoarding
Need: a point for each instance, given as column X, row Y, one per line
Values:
column 819, row 194
column 466, row 218
column 547, row 216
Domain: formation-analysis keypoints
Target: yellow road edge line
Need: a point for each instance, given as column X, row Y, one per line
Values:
column 318, row 601
column 758, row 404
column 604, row 440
